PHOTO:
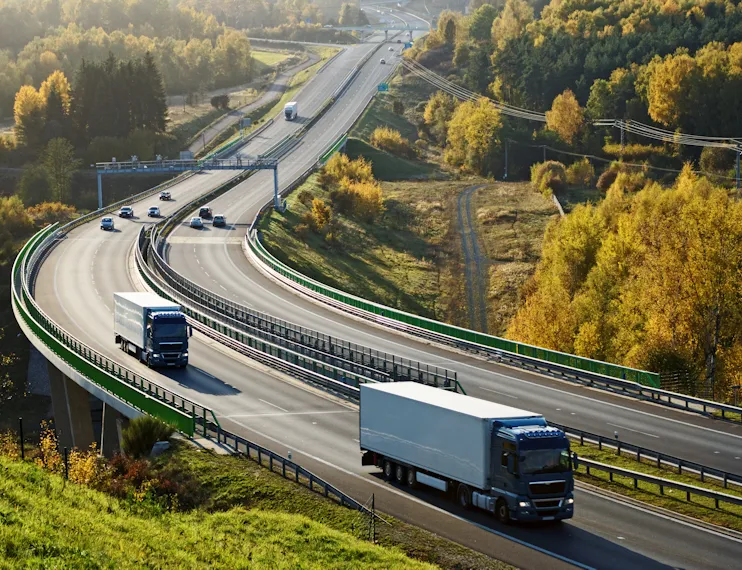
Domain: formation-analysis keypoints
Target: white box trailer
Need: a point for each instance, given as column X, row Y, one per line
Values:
column 151, row 327
column 502, row 459
column 291, row 110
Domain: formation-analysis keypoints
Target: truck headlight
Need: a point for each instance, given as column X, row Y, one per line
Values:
column 185, row 354
column 570, row 501
column 524, row 504
column 156, row 355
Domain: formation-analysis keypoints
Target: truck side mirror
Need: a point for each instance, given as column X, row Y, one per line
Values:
column 190, row 330
column 575, row 461
column 511, row 463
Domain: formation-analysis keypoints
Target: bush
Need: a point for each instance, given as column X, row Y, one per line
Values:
column 340, row 167
column 548, row 177
column 716, row 160
column 391, row 141
column 634, row 151
column 306, row 197
column 143, row 432
column 52, row 212
column 398, row 107
column 302, row 231
column 607, row 179
column 580, row 173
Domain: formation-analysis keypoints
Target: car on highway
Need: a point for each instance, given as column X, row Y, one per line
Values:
column 399, row 41
column 153, row 212
column 391, row 48
column 220, row 220
column 196, row 222
column 126, row 212
column 382, row 61
column 106, row 223
column 205, row 212
column 165, row 195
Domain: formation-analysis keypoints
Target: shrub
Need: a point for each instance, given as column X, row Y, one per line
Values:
column 580, row 173
column 369, row 203
column 398, row 107
column 143, row 432
column 716, row 160
column 391, row 141
column 9, row 446
column 607, row 179
column 306, row 197
column 340, row 167
column 49, row 457
column 302, row 231
column 634, row 151
column 548, row 177
column 51, row 212
column 321, row 213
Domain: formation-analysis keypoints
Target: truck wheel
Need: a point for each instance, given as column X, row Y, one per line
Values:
column 411, row 478
column 464, row 496
column 400, row 474
column 502, row 512
column 388, row 470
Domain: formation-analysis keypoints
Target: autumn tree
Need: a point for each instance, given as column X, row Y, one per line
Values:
column 33, row 187
column 28, row 111
column 61, row 164
column 511, row 22
column 438, row 112
column 480, row 22
column 448, row 26
column 566, row 117
column 473, row 135
column 668, row 88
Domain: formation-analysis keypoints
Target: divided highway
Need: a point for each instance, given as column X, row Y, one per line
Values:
column 76, row 285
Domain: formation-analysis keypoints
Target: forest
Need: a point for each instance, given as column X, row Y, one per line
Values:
column 647, row 275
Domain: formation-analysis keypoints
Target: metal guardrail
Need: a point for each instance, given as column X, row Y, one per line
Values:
column 663, row 484
column 661, row 459
column 392, row 318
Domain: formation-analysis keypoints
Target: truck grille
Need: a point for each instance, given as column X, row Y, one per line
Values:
column 548, row 487
column 547, row 503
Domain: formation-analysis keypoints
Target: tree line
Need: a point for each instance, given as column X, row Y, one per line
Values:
column 674, row 64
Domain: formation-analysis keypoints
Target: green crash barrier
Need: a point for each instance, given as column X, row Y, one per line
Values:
column 333, row 149
column 595, row 366
column 38, row 324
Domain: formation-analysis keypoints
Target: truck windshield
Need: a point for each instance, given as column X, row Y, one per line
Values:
column 177, row 330
column 536, row 461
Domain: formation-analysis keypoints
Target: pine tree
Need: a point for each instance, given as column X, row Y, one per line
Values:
column 154, row 102
column 61, row 164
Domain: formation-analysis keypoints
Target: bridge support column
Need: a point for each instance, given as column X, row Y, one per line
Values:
column 100, row 191
column 111, row 431
column 71, row 405
column 276, row 198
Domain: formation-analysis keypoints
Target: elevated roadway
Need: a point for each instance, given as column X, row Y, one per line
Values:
column 76, row 286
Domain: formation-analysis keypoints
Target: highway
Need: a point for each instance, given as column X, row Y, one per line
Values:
column 76, row 285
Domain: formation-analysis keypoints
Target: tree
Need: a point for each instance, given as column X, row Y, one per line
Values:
column 473, row 135
column 438, row 112
column 60, row 163
column 58, row 84
column 566, row 117
column 33, row 187
column 448, row 24
column 28, row 111
column 480, row 22
column 511, row 22
column 668, row 89
column 220, row 102
column 154, row 101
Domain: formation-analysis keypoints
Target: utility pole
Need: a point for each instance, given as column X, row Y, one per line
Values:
column 622, row 143
column 738, row 150
column 506, row 160
column 544, row 147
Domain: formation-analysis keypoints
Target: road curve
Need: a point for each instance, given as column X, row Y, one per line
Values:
column 75, row 287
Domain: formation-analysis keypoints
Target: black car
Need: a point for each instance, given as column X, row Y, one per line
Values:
column 204, row 212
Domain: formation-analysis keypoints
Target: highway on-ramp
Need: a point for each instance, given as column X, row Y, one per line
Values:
column 76, row 284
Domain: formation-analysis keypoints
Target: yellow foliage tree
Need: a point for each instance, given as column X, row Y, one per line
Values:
column 473, row 135
column 57, row 82
column 368, row 202
column 669, row 85
column 566, row 117
column 28, row 111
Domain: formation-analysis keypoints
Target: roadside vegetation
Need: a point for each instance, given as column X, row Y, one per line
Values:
column 191, row 508
column 728, row 515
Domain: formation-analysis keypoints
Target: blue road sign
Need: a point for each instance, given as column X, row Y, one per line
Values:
column 408, row 45
column 383, row 87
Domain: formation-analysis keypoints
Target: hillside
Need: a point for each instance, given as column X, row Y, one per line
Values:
column 47, row 522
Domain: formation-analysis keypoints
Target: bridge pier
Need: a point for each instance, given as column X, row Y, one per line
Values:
column 71, row 405
column 112, row 425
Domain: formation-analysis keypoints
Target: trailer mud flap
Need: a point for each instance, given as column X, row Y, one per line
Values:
column 368, row 458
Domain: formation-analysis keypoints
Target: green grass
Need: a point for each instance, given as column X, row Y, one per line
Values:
column 408, row 259
column 729, row 516
column 571, row 196
column 47, row 523
column 510, row 220
column 269, row 58
column 412, row 92
column 387, row 166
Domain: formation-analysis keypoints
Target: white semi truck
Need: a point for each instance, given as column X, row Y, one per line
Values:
column 291, row 110
column 152, row 328
column 501, row 459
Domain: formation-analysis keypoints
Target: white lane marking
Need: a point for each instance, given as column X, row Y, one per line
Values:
column 275, row 414
column 583, row 489
column 634, row 430
column 342, row 324
column 418, row 501
column 274, row 405
column 207, row 274
column 497, row 392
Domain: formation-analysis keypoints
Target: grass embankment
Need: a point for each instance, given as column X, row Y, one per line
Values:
column 728, row 515
column 244, row 516
column 46, row 522
column 408, row 258
column 510, row 220
column 269, row 58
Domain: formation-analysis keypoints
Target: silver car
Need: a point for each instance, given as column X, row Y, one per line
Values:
column 153, row 212
column 196, row 222
column 106, row 223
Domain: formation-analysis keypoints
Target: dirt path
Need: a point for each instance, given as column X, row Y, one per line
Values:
column 273, row 92
column 475, row 263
